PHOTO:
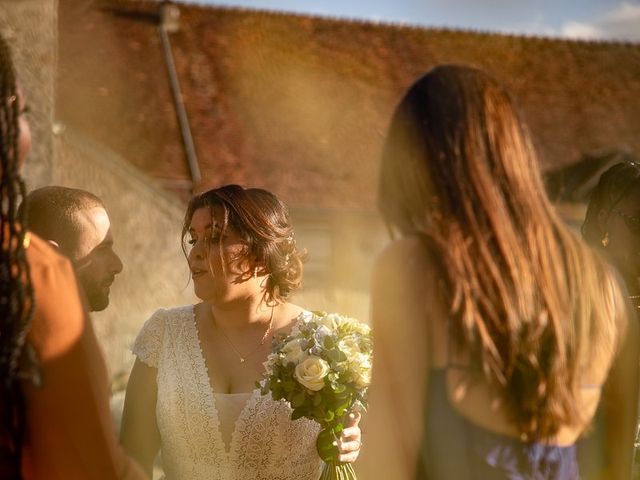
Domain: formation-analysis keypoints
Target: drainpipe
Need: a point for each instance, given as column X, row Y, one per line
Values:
column 169, row 15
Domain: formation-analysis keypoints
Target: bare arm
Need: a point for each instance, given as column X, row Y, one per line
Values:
column 620, row 396
column 139, row 432
column 394, row 423
column 70, row 434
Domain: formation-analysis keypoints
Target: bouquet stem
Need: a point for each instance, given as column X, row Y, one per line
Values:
column 337, row 471
column 332, row 469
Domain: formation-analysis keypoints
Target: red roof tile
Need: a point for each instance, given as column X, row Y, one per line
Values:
column 300, row 104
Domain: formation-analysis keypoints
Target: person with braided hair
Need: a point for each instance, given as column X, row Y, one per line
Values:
column 16, row 287
column 612, row 226
column 612, row 221
column 55, row 422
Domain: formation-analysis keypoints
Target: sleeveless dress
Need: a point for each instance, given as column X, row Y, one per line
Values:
column 454, row 447
column 265, row 443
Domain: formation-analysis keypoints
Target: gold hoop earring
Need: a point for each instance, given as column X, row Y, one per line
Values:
column 605, row 240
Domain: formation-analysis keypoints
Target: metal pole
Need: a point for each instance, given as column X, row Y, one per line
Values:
column 183, row 120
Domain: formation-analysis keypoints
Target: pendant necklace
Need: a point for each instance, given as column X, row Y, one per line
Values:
column 243, row 358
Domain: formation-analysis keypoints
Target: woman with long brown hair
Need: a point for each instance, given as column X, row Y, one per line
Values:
column 494, row 325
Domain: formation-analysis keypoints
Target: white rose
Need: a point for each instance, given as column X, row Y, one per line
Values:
column 362, row 328
column 311, row 372
column 330, row 321
column 349, row 346
column 362, row 379
column 293, row 353
column 360, row 366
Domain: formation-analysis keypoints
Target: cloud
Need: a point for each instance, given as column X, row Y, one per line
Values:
column 536, row 26
column 581, row 30
column 621, row 23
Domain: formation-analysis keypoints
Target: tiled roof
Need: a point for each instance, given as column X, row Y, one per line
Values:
column 300, row 104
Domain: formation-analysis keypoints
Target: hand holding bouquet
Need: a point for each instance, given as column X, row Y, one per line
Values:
column 323, row 369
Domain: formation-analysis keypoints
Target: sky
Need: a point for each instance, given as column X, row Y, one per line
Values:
column 582, row 19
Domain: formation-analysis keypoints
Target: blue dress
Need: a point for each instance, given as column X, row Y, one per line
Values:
column 455, row 448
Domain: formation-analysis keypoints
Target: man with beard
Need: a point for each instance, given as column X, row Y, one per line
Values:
column 77, row 222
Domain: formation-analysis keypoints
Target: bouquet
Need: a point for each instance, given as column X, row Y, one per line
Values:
column 322, row 368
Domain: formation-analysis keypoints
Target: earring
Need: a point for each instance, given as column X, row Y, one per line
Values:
column 255, row 272
column 605, row 239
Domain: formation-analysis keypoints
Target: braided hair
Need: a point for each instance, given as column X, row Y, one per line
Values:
column 16, row 292
column 614, row 184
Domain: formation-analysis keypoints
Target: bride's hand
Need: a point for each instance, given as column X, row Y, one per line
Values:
column 350, row 440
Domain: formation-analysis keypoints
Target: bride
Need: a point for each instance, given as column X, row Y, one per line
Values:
column 192, row 391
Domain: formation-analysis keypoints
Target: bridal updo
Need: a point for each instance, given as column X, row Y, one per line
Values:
column 262, row 221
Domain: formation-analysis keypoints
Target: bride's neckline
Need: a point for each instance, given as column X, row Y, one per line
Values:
column 235, row 394
column 196, row 339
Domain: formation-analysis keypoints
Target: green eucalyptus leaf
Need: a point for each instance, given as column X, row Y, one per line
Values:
column 329, row 342
column 298, row 399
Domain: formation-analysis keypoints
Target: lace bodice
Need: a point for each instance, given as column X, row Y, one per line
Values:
column 265, row 444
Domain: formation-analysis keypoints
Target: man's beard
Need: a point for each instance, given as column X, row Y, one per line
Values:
column 97, row 296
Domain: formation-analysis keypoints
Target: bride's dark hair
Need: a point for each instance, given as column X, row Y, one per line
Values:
column 262, row 221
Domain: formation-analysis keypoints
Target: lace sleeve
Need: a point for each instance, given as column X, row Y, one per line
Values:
column 149, row 341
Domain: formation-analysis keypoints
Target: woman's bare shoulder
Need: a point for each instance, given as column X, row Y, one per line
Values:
column 408, row 259
column 286, row 315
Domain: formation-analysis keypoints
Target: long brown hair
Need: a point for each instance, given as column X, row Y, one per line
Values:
column 530, row 303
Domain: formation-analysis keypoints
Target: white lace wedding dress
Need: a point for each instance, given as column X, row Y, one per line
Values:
column 265, row 443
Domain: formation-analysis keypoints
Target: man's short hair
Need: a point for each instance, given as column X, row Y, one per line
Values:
column 51, row 214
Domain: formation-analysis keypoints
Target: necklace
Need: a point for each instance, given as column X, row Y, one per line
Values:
column 243, row 358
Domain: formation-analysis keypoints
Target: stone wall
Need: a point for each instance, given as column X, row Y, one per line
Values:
column 30, row 28
column 146, row 224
